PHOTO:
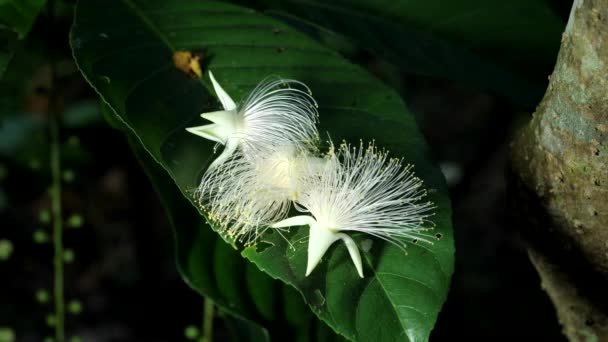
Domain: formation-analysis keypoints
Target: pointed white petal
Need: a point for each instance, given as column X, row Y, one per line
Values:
column 318, row 242
column 353, row 250
column 229, row 149
column 225, row 99
column 302, row 220
column 222, row 117
column 214, row 132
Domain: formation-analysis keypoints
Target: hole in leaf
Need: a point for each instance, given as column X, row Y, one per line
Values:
column 366, row 245
column 438, row 236
column 262, row 246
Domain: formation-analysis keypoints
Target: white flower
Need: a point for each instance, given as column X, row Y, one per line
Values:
column 244, row 196
column 277, row 112
column 361, row 190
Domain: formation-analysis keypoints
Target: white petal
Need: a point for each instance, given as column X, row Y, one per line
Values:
column 225, row 99
column 302, row 220
column 318, row 242
column 320, row 239
column 353, row 250
column 214, row 132
column 231, row 145
column 222, row 117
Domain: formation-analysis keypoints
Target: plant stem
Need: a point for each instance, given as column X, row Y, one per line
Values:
column 208, row 321
column 54, row 118
column 57, row 226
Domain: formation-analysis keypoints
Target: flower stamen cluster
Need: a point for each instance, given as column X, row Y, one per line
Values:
column 270, row 162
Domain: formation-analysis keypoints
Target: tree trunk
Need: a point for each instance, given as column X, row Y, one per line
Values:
column 560, row 177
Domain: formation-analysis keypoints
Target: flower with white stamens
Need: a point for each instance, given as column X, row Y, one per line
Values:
column 361, row 190
column 278, row 112
column 242, row 197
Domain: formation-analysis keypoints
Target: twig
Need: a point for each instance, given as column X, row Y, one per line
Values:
column 208, row 321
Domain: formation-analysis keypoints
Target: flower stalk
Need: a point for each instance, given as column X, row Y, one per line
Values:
column 54, row 121
column 208, row 315
column 56, row 210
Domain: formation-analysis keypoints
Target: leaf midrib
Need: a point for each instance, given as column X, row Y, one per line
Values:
column 149, row 24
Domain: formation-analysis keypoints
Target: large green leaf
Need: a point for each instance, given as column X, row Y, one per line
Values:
column 16, row 19
column 503, row 46
column 124, row 49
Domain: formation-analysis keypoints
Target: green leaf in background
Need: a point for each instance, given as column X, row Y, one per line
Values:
column 124, row 49
column 503, row 46
column 19, row 15
column 16, row 19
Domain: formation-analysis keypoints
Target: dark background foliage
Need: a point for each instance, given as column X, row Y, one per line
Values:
column 124, row 272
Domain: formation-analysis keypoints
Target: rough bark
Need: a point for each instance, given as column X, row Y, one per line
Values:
column 560, row 177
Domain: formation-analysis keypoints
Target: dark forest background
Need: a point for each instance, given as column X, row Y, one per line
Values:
column 121, row 280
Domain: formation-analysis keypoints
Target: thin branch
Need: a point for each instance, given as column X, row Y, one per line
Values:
column 208, row 315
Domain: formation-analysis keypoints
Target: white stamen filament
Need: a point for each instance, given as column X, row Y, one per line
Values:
column 244, row 197
column 370, row 193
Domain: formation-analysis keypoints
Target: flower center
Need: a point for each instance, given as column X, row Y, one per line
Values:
column 278, row 173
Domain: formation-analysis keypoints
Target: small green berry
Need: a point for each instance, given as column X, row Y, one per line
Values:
column 42, row 296
column 75, row 221
column 6, row 249
column 68, row 176
column 191, row 332
column 44, row 216
column 40, row 236
column 74, row 307
column 51, row 320
column 68, row 256
column 7, row 334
